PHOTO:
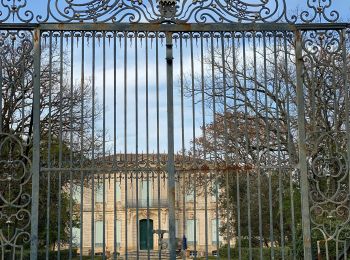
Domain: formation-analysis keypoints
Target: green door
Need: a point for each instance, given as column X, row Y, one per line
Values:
column 144, row 236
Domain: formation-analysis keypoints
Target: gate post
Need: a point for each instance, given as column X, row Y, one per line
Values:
column 305, row 207
column 170, row 163
column 36, row 148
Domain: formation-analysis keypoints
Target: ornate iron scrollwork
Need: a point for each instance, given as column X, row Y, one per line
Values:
column 16, row 59
column 327, row 142
column 11, row 10
column 328, row 177
column 179, row 11
column 15, row 174
column 319, row 10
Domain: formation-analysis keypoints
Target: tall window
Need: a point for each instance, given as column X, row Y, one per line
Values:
column 214, row 232
column 189, row 195
column 119, row 232
column 214, row 190
column 190, row 231
column 177, row 225
column 118, row 191
column 99, row 233
column 144, row 194
column 99, row 193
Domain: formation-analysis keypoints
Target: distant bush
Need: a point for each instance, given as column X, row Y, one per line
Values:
column 64, row 254
column 266, row 252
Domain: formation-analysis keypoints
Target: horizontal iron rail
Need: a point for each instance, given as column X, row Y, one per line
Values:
column 148, row 169
column 190, row 27
column 106, row 169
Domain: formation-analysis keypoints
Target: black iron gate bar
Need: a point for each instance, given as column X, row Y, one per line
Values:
column 169, row 29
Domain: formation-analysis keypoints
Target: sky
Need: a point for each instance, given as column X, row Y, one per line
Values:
column 192, row 123
column 342, row 6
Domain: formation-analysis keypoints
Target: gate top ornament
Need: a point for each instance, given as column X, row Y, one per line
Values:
column 165, row 11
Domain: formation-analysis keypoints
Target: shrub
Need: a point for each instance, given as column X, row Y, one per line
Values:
column 64, row 254
column 266, row 252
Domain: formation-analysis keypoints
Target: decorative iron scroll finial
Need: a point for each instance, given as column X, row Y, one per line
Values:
column 167, row 9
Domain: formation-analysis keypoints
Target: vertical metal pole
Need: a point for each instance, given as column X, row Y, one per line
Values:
column 194, row 175
column 170, row 166
column 158, row 143
column 126, row 139
column 49, row 153
column 346, row 88
column 183, row 142
column 36, row 148
column 71, row 184
column 305, row 208
column 60, row 150
column 137, row 156
column 204, row 152
column 82, row 92
column 115, row 145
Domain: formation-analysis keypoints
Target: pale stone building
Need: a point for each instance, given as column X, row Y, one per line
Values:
column 131, row 206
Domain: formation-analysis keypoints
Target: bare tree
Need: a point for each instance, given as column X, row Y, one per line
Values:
column 254, row 132
column 65, row 125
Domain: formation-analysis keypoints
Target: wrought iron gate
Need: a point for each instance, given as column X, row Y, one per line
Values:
column 173, row 129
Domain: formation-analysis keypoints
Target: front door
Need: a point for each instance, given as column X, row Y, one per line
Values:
column 146, row 235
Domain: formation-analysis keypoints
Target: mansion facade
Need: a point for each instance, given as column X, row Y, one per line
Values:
column 127, row 212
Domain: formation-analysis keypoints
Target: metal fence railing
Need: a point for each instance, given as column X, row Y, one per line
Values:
column 164, row 129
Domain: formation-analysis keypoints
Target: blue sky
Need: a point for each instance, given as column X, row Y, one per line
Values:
column 342, row 6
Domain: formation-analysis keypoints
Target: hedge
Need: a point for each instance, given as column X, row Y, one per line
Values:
column 266, row 252
column 64, row 254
